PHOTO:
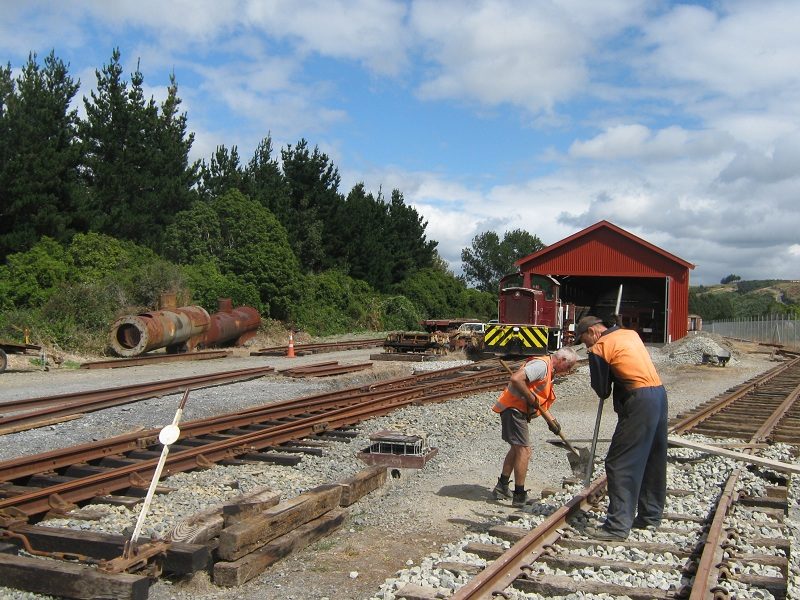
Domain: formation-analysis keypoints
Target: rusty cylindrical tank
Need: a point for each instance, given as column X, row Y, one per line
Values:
column 231, row 326
column 177, row 329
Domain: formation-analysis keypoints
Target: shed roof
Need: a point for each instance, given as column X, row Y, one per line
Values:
column 586, row 233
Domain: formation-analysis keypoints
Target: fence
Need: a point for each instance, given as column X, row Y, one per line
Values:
column 777, row 329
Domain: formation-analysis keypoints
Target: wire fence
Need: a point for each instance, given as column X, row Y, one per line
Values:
column 776, row 329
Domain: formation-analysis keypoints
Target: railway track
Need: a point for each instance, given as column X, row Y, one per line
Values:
column 722, row 536
column 119, row 470
column 59, row 479
column 18, row 415
column 713, row 553
column 149, row 359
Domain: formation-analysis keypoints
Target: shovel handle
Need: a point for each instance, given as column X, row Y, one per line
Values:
column 590, row 465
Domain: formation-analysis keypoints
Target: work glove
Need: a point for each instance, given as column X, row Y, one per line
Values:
column 554, row 426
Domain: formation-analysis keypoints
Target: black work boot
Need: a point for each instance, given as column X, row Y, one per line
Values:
column 520, row 498
column 501, row 490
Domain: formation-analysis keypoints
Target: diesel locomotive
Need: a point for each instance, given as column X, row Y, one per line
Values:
column 532, row 318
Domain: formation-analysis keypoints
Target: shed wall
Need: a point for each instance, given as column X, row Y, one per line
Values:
column 605, row 252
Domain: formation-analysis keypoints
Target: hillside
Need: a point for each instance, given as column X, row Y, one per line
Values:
column 745, row 299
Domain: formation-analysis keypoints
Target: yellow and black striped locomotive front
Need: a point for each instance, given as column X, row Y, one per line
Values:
column 519, row 340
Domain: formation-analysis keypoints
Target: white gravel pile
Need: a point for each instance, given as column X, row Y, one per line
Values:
column 690, row 350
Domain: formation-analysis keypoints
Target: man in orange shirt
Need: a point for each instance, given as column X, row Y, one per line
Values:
column 529, row 392
column 636, row 462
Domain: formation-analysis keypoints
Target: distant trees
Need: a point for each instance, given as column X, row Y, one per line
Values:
column 442, row 295
column 107, row 210
column 221, row 174
column 313, row 183
column 241, row 238
column 730, row 279
column 136, row 165
column 39, row 155
column 406, row 239
column 264, row 182
column 711, row 306
column 753, row 299
column 362, row 224
column 489, row 258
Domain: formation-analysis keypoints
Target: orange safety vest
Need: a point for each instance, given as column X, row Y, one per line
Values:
column 542, row 390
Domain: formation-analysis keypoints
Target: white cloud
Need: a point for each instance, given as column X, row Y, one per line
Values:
column 689, row 112
column 369, row 31
column 493, row 53
column 779, row 164
column 531, row 55
column 744, row 49
column 639, row 142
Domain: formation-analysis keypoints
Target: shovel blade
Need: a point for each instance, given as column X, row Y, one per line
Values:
column 579, row 462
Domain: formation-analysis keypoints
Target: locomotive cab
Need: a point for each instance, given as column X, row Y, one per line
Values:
column 531, row 316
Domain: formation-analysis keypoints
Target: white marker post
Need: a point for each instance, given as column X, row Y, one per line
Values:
column 167, row 436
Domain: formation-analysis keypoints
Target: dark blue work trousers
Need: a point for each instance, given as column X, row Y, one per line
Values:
column 636, row 463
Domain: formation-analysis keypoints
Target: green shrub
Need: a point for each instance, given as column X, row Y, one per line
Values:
column 30, row 278
column 476, row 303
column 332, row 302
column 208, row 284
column 399, row 314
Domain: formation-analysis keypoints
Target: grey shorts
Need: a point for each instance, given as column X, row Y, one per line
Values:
column 515, row 427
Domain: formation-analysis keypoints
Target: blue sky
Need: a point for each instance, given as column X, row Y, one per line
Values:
column 679, row 122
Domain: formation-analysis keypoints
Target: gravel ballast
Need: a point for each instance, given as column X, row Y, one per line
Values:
column 393, row 533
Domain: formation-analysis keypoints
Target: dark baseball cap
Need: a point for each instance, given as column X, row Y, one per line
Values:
column 584, row 324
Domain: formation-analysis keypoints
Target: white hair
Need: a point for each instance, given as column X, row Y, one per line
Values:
column 567, row 353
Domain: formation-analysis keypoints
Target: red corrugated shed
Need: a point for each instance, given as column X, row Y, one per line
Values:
column 605, row 250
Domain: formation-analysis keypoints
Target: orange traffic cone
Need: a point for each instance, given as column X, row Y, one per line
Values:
column 290, row 351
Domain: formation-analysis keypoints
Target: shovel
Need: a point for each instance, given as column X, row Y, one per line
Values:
column 587, row 477
column 579, row 459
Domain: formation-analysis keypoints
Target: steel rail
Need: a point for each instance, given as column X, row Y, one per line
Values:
column 152, row 387
column 517, row 560
column 39, row 501
column 704, row 413
column 98, row 401
column 328, row 346
column 710, row 563
column 61, row 458
column 138, row 440
column 148, row 359
column 325, row 370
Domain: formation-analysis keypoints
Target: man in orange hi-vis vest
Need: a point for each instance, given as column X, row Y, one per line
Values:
column 636, row 464
column 529, row 392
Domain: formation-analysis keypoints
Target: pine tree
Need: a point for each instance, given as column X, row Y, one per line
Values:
column 222, row 174
column 265, row 183
column 137, row 157
column 175, row 177
column 39, row 155
column 362, row 224
column 104, row 134
column 406, row 239
column 313, row 187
